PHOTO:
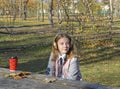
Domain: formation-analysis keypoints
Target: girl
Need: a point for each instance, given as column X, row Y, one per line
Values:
column 62, row 62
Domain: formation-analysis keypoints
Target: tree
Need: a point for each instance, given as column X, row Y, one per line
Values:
column 116, row 8
column 42, row 11
column 25, row 7
column 50, row 14
column 13, row 4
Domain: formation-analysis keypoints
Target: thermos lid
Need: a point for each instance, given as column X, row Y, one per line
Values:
column 14, row 57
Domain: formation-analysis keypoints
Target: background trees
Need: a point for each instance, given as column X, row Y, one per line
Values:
column 60, row 9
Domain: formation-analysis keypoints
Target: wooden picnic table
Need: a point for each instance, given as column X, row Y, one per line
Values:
column 40, row 81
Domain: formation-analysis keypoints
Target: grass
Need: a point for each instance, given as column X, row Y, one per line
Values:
column 35, row 59
column 98, row 65
column 30, row 21
column 34, row 54
column 104, row 72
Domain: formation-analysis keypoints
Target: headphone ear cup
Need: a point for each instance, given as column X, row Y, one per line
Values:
column 55, row 45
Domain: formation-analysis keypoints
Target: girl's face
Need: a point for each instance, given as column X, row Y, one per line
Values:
column 63, row 45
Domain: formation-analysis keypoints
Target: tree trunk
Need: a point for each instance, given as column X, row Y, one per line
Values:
column 42, row 12
column 38, row 10
column 14, row 10
column 25, row 9
column 58, row 11
column 20, row 9
column 50, row 12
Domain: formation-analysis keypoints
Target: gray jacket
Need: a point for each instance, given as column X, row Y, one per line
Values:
column 70, row 69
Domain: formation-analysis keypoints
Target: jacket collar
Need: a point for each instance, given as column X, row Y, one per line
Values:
column 63, row 56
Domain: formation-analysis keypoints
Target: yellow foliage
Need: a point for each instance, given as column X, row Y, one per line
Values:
column 78, row 30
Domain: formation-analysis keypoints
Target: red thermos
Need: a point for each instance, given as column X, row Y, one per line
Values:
column 13, row 61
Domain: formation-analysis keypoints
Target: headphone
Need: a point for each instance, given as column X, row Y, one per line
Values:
column 55, row 43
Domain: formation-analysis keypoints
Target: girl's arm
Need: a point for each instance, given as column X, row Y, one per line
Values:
column 74, row 71
column 50, row 68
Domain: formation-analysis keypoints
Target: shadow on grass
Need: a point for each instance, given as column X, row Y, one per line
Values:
column 101, row 55
column 37, row 65
column 13, row 45
column 33, row 59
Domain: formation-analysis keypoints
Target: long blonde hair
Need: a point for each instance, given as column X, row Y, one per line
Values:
column 55, row 51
